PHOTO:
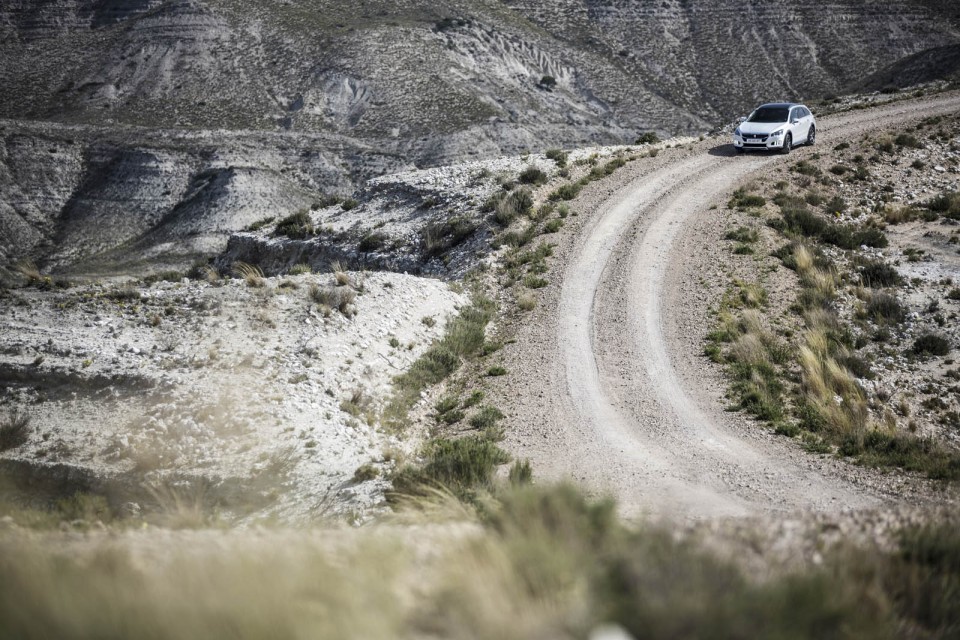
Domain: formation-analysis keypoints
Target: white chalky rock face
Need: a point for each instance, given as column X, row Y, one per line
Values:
column 221, row 381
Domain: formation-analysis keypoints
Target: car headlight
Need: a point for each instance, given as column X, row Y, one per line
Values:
column 776, row 133
column 737, row 132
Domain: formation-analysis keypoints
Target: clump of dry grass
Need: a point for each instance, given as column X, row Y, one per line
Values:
column 300, row 269
column 753, row 354
column 832, row 400
column 183, row 504
column 29, row 270
column 14, row 430
column 209, row 273
column 526, row 301
column 898, row 213
column 359, row 405
column 340, row 274
column 819, row 283
column 752, row 294
column 329, row 298
column 251, row 274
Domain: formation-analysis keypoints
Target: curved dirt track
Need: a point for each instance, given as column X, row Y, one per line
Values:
column 616, row 393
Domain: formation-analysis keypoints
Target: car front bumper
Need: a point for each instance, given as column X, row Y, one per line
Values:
column 758, row 143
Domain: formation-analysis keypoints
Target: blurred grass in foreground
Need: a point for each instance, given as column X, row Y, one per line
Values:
column 533, row 562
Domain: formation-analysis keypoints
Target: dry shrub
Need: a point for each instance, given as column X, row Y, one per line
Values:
column 749, row 349
column 820, row 283
column 526, row 302
column 803, row 258
column 833, row 399
column 339, row 298
column 14, row 430
column 752, row 294
column 898, row 214
column 209, row 273
column 29, row 270
column 251, row 274
column 340, row 274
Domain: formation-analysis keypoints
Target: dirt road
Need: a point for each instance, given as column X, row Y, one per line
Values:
column 612, row 388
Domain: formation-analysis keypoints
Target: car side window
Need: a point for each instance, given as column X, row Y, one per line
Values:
column 804, row 112
column 794, row 115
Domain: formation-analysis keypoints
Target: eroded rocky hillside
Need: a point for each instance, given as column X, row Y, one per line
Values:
column 144, row 133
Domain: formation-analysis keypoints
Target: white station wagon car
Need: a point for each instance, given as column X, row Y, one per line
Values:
column 778, row 125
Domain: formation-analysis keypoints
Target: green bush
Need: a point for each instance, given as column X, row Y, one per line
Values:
column 533, row 175
column 437, row 238
column 566, row 192
column 907, row 140
column 743, row 200
column 835, row 205
column 296, row 226
column 85, row 506
column 947, row 204
column 260, row 224
column 558, row 156
column 852, row 237
column 14, row 431
column 464, row 338
column 553, row 225
column 805, row 168
column 535, row 282
column 876, row 273
column 931, row 344
column 884, row 307
column 598, row 173
column 649, row 137
column 485, row 418
column 512, row 205
column 906, row 451
column 743, row 234
column 802, row 220
column 521, row 473
column 464, row 466
column 373, row 241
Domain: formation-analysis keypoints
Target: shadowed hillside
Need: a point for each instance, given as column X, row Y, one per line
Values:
column 225, row 111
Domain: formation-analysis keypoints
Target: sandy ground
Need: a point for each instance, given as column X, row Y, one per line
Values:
column 616, row 394
column 254, row 389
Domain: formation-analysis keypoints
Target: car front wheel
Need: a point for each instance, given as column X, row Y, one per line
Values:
column 787, row 144
column 812, row 136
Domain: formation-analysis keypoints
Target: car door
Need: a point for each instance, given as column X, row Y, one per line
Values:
column 806, row 120
column 796, row 125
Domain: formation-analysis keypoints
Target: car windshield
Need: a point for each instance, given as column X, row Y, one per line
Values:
column 769, row 114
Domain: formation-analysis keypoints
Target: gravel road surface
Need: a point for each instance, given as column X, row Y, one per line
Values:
column 609, row 385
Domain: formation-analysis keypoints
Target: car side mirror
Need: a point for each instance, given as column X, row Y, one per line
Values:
column 794, row 122
column 743, row 118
